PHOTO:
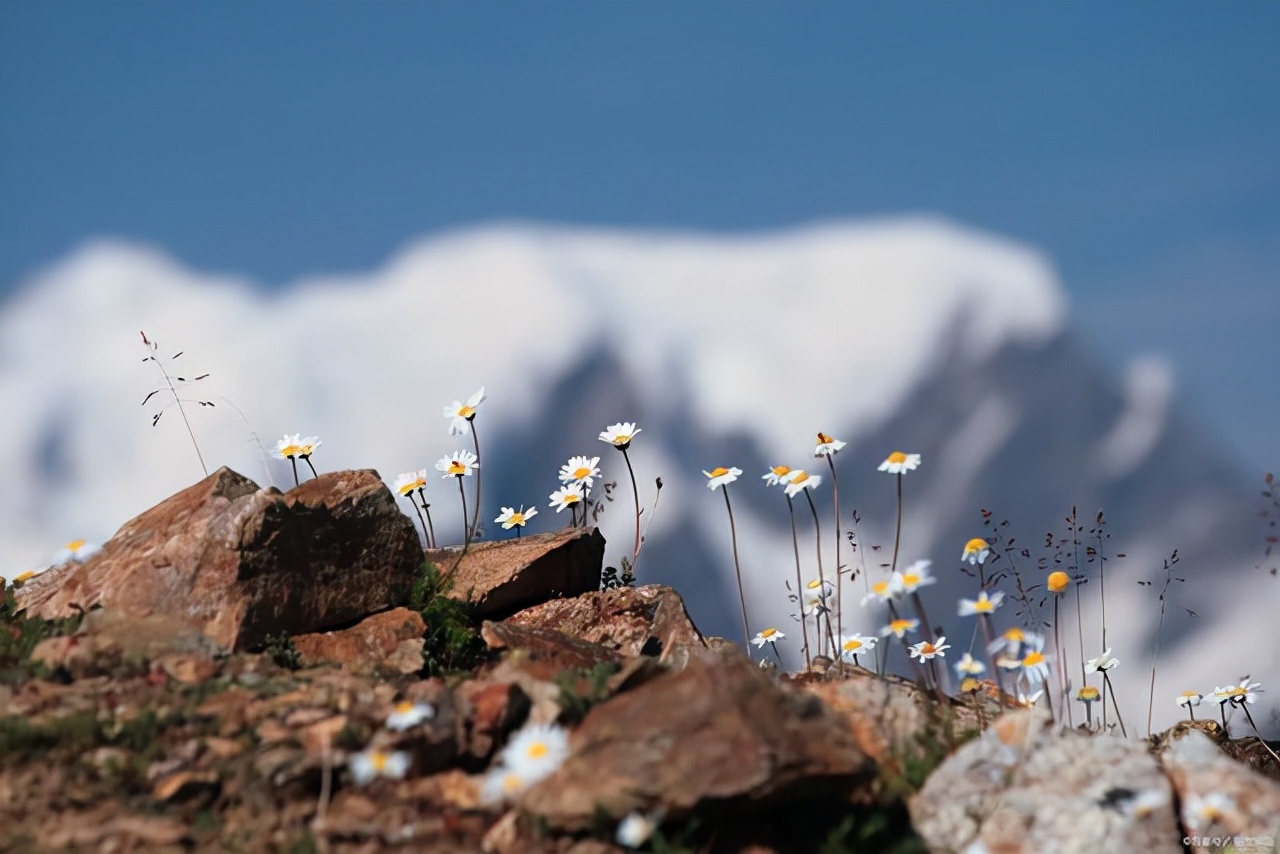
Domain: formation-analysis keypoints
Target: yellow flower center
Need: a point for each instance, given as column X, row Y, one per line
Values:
column 781, row 471
column 1058, row 581
column 880, row 588
column 404, row 707
column 928, row 649
column 815, row 584
column 622, row 439
column 30, row 573
column 538, row 750
column 983, row 606
column 1014, row 634
column 900, row 626
column 824, row 439
column 719, row 471
column 969, row 685
column 457, row 468
column 572, row 498
column 897, row 458
column 291, row 450
column 800, row 477
column 1088, row 693
column 975, row 545
column 75, row 545
column 466, row 412
column 516, row 519
column 379, row 761
column 910, row 579
column 1033, row 658
column 852, row 644
column 511, row 783
column 581, row 473
column 768, row 633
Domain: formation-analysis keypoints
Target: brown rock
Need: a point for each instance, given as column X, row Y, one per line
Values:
column 717, row 730
column 501, row 577
column 1221, row 797
column 540, row 645
column 243, row 562
column 1023, row 787
column 391, row 639
column 486, row 711
column 632, row 620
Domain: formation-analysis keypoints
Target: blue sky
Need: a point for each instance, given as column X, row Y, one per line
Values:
column 1136, row 143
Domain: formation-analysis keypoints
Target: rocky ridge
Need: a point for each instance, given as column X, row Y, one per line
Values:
column 211, row 680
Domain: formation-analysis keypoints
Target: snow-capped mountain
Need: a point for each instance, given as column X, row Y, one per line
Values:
column 914, row 334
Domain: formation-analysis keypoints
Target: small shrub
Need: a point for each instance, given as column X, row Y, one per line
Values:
column 282, row 651
column 453, row 642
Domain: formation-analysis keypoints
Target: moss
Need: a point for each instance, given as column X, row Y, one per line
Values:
column 452, row 641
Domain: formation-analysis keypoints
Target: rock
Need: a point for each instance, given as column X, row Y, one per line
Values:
column 109, row 641
column 501, row 577
column 553, row 649
column 717, row 731
column 244, row 563
column 1023, row 787
column 392, row 639
column 486, row 712
column 648, row 620
column 1222, row 797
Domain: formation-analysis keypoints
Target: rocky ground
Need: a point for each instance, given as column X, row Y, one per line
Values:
column 213, row 677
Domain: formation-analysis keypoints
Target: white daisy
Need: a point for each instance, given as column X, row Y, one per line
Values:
column 899, row 627
column 1202, row 812
column 970, row 666
column 976, row 551
column 370, row 764
column 410, row 481
column 511, row 518
column 457, row 464
column 881, row 591
column 1187, row 699
column 463, row 413
column 769, row 635
column 900, row 463
column 721, row 476
column 799, row 480
column 536, row 751
column 567, row 496
column 580, row 470
column 982, row 605
column 914, row 577
column 77, row 550
column 776, row 475
column 1101, row 663
column 294, row 445
column 634, row 830
column 1034, row 663
column 620, row 435
column 827, row 446
column 856, row 644
column 501, row 784
column 926, row 650
column 408, row 714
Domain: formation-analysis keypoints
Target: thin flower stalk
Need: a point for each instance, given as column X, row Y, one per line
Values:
column 720, row 478
column 795, row 544
column 475, row 514
column 829, row 447
column 620, row 436
column 1106, row 681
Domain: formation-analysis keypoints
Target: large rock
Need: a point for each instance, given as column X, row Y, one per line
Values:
column 244, row 562
column 717, row 732
column 1022, row 788
column 501, row 577
column 1222, row 797
column 391, row 640
column 632, row 620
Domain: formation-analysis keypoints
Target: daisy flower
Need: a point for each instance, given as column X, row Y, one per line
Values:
column 815, row 606
column 1245, row 692
column 370, row 764
column 620, row 435
column 900, row 463
column 536, row 751
column 1011, row 641
column 827, row 446
column 1088, row 695
column 820, row 587
column 982, row 605
column 410, row 481
column 1101, row 663
column 24, row 577
column 1200, row 813
column 914, row 577
column 976, row 551
column 1188, row 699
column 899, row 627
column 856, row 644
column 634, row 830
column 881, row 591
column 77, row 550
column 501, row 784
column 776, row 475
column 1146, row 804
column 1034, row 663
column 926, row 650
column 580, row 470
column 769, row 635
column 1058, row 581
column 721, row 476
column 511, row 518
column 408, row 714
column 294, row 446
column 970, row 666
column 463, row 413
column 799, row 480
column 567, row 496
column 1027, row 701
column 457, row 464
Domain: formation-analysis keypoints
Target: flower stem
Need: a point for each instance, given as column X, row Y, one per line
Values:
column 635, row 492
column 795, row 543
column 466, row 532
column 431, row 529
column 897, row 532
column 835, row 496
column 421, row 521
column 475, row 516
column 822, row 578
column 1106, row 680
column 1261, row 740
column 294, row 462
column 307, row 458
column 742, row 600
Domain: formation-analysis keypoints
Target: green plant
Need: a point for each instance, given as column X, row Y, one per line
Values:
column 282, row 651
column 453, row 642
column 19, row 636
column 581, row 688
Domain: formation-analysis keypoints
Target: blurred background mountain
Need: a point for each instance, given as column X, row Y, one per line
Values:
column 1039, row 245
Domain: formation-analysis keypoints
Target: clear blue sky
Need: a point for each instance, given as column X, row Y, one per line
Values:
column 1136, row 143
